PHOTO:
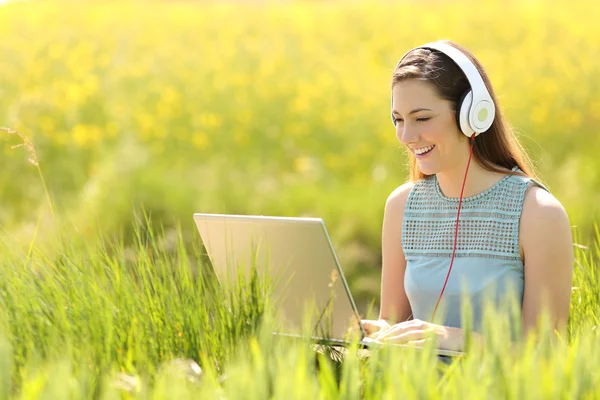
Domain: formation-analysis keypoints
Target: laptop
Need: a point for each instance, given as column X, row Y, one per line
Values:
column 297, row 257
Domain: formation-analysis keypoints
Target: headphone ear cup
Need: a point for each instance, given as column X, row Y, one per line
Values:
column 463, row 108
column 458, row 107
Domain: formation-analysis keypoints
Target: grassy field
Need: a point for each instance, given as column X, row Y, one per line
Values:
column 268, row 108
column 105, row 321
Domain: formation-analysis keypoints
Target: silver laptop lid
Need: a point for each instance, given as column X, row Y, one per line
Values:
column 298, row 255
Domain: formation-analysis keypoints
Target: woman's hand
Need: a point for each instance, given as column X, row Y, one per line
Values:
column 417, row 332
column 373, row 327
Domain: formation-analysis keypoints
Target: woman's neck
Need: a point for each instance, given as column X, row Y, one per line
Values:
column 478, row 180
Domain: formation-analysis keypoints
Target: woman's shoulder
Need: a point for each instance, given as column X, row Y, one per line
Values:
column 544, row 221
column 540, row 204
column 546, row 241
column 396, row 201
column 538, row 200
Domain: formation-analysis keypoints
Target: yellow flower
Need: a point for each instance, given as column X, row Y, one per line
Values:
column 85, row 135
column 200, row 140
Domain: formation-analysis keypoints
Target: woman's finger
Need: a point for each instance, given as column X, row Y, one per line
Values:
column 398, row 329
column 372, row 326
column 406, row 337
column 368, row 326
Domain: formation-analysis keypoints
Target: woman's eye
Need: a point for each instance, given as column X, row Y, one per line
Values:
column 420, row 119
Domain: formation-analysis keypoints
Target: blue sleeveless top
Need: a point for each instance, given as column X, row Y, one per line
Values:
column 487, row 263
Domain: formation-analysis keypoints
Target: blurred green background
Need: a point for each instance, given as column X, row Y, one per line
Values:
column 274, row 108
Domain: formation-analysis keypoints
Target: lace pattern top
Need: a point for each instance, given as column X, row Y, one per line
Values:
column 487, row 263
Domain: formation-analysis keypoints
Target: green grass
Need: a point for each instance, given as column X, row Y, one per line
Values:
column 271, row 108
column 77, row 319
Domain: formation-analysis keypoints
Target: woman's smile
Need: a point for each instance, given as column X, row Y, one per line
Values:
column 423, row 152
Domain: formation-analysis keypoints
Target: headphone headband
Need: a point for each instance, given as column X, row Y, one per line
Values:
column 477, row 111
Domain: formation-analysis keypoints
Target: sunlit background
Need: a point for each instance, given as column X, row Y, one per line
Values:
column 274, row 108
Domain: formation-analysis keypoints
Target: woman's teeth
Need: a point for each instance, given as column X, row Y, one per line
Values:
column 424, row 150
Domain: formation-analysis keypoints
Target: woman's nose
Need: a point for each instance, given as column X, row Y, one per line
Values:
column 406, row 134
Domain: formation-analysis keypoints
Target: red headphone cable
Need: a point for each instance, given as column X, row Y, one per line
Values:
column 456, row 230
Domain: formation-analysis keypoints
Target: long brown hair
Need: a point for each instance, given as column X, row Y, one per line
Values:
column 494, row 149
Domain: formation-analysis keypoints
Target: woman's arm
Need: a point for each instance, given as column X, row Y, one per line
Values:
column 547, row 249
column 394, row 303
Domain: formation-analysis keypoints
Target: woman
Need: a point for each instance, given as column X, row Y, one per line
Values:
column 513, row 236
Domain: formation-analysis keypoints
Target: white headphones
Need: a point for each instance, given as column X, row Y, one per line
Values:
column 476, row 111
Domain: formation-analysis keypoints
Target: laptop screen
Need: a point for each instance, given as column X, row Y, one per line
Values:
column 307, row 284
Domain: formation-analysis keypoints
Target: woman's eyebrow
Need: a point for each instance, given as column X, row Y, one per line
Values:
column 413, row 111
